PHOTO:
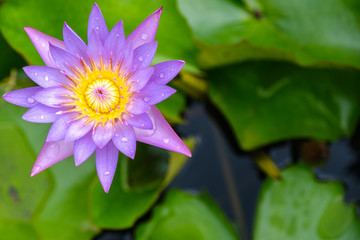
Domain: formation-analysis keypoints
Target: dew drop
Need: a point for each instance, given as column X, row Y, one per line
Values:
column 107, row 173
column 97, row 28
column 46, row 78
column 36, row 74
column 43, row 45
column 162, row 75
column 117, row 35
column 144, row 36
column 116, row 135
column 124, row 139
column 141, row 59
column 42, row 117
column 163, row 94
column 146, row 99
column 135, row 66
column 166, row 140
column 30, row 100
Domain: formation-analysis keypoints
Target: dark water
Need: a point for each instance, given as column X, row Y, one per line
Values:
column 230, row 177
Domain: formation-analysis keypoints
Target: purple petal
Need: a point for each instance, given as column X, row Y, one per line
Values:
column 162, row 135
column 96, row 49
column 115, row 39
column 139, row 121
column 106, row 161
column 146, row 31
column 137, row 106
column 53, row 96
column 139, row 78
column 154, row 93
column 124, row 58
column 41, row 114
column 103, row 134
column 41, row 42
column 124, row 139
column 73, row 43
column 97, row 23
column 166, row 71
column 83, row 148
column 144, row 55
column 65, row 60
column 59, row 127
column 51, row 153
column 46, row 76
column 22, row 97
column 78, row 129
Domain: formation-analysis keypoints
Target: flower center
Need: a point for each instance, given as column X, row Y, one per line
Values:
column 99, row 93
column 102, row 95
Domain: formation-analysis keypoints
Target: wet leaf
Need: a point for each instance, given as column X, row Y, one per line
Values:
column 186, row 216
column 266, row 102
column 300, row 207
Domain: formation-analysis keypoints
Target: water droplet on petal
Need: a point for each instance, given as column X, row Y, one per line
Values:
column 172, row 69
column 163, row 94
column 42, row 117
column 117, row 35
column 46, row 78
column 166, row 140
column 43, row 45
column 146, row 99
column 35, row 73
column 141, row 59
column 162, row 75
column 124, row 139
column 97, row 28
column 30, row 100
column 107, row 173
column 135, row 66
column 144, row 36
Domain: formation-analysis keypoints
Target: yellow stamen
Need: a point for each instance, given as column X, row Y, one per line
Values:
column 99, row 93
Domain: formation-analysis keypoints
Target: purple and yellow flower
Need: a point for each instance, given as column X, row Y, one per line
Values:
column 100, row 97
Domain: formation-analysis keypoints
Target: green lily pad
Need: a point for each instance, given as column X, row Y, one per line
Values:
column 266, row 102
column 308, row 32
column 141, row 185
column 51, row 205
column 173, row 32
column 66, row 211
column 20, row 195
column 186, row 216
column 300, row 207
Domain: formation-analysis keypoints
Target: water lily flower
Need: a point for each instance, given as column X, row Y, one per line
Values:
column 101, row 96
